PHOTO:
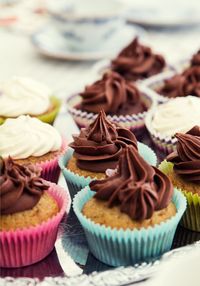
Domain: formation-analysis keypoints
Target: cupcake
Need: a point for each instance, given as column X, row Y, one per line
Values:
column 195, row 61
column 24, row 96
column 186, row 83
column 136, row 62
column 176, row 115
column 97, row 149
column 183, row 168
column 122, row 101
column 131, row 216
column 29, row 140
column 31, row 210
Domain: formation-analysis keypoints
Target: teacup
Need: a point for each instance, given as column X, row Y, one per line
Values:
column 87, row 24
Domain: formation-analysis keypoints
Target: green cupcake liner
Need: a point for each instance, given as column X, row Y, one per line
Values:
column 185, row 236
column 191, row 218
column 48, row 117
column 128, row 247
column 76, row 182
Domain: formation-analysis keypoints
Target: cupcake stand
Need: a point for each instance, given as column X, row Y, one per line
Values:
column 70, row 263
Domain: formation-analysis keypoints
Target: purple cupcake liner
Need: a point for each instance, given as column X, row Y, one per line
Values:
column 134, row 122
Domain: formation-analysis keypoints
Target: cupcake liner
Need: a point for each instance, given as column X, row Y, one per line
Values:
column 133, row 122
column 191, row 218
column 50, row 168
column 29, row 245
column 185, row 236
column 166, row 144
column 127, row 247
column 76, row 182
column 48, row 117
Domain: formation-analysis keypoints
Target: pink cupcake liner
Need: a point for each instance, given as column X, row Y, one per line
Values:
column 132, row 122
column 50, row 168
column 27, row 246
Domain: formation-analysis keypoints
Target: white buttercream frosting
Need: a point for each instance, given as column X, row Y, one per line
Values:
column 177, row 115
column 26, row 136
column 21, row 95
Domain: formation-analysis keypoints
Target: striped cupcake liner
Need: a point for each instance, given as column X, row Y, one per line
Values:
column 76, row 182
column 133, row 122
column 191, row 218
column 128, row 247
column 26, row 246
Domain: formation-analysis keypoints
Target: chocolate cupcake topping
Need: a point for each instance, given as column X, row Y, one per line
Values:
column 98, row 147
column 21, row 187
column 195, row 61
column 114, row 95
column 187, row 83
column 137, row 61
column 138, row 188
column 186, row 159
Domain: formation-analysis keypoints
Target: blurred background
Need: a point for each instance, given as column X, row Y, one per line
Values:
column 41, row 38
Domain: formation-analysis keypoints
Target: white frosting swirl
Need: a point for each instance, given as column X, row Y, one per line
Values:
column 26, row 136
column 177, row 115
column 22, row 95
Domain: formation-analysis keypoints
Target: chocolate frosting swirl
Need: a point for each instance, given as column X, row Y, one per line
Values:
column 99, row 146
column 137, row 62
column 21, row 187
column 186, row 159
column 138, row 188
column 113, row 94
column 195, row 61
column 187, row 83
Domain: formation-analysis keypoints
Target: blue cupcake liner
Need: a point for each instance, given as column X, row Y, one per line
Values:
column 76, row 182
column 128, row 247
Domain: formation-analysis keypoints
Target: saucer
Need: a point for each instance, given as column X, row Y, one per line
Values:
column 156, row 14
column 49, row 42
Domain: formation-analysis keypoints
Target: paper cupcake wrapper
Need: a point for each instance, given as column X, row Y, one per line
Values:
column 191, row 218
column 133, row 122
column 166, row 144
column 27, row 246
column 185, row 236
column 76, row 182
column 48, row 117
column 127, row 247
column 50, row 168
